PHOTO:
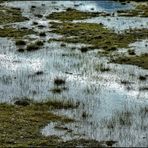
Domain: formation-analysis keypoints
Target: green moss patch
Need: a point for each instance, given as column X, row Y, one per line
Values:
column 73, row 14
column 10, row 15
column 96, row 35
column 141, row 61
column 20, row 125
column 15, row 33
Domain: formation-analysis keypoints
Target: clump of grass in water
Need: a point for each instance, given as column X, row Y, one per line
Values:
column 20, row 42
column 63, row 45
column 59, row 81
column 35, row 46
column 142, row 78
column 102, row 68
column 143, row 88
column 42, row 34
column 120, row 119
column 125, row 82
column 55, row 104
column 56, row 90
column 131, row 52
column 144, row 111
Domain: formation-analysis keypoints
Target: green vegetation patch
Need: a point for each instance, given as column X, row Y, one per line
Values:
column 10, row 15
column 140, row 10
column 34, row 46
column 96, row 35
column 15, row 33
column 73, row 14
column 141, row 61
column 20, row 125
column 120, row 119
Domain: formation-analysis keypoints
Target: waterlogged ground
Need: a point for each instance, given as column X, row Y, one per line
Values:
column 110, row 100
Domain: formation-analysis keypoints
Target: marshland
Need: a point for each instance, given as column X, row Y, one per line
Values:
column 74, row 73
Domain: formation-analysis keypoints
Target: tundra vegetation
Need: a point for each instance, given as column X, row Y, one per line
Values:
column 99, row 37
column 20, row 123
column 11, row 15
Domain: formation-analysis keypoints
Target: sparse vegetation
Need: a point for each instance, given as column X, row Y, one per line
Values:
column 42, row 34
column 101, row 67
column 142, row 78
column 73, row 14
column 87, row 33
column 131, row 52
column 141, row 61
column 21, row 50
column 143, row 88
column 20, row 42
column 15, row 33
column 11, row 15
column 56, row 90
column 120, row 119
column 140, row 10
column 125, row 82
column 63, row 45
column 34, row 46
column 59, row 81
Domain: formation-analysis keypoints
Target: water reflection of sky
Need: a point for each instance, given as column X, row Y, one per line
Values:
column 105, row 5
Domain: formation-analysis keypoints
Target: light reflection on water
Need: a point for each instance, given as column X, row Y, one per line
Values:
column 101, row 92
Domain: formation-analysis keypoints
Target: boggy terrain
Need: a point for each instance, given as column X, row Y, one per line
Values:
column 98, row 37
column 94, row 98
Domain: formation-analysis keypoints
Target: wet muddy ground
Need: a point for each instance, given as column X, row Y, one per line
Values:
column 73, row 73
